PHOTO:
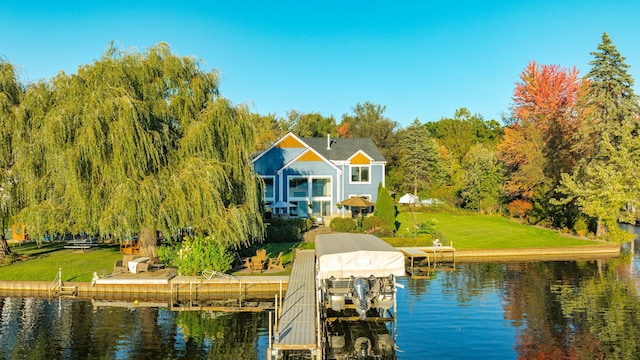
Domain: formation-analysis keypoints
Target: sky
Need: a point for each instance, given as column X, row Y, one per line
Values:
column 419, row 59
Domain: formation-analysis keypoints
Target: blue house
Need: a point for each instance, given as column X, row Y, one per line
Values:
column 308, row 177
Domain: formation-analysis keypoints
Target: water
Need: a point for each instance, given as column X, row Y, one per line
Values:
column 553, row 310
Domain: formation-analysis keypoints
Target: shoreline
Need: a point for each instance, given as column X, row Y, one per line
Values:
column 177, row 289
column 564, row 253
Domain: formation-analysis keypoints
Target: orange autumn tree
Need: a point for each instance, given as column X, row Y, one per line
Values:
column 537, row 145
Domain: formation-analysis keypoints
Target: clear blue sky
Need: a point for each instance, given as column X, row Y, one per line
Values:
column 420, row 59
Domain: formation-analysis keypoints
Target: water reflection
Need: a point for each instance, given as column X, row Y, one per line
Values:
column 569, row 309
column 67, row 329
column 550, row 310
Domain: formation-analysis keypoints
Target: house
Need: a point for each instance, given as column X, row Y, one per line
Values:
column 308, row 177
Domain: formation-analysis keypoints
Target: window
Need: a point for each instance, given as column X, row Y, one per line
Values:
column 320, row 187
column 269, row 194
column 298, row 187
column 360, row 174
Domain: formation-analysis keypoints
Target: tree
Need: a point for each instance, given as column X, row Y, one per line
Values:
column 609, row 98
column 420, row 158
column 538, row 143
column 521, row 150
column 271, row 129
column 312, row 124
column 385, row 208
column 460, row 133
column 10, row 95
column 368, row 121
column 546, row 98
column 605, row 179
column 609, row 182
column 484, row 176
column 137, row 141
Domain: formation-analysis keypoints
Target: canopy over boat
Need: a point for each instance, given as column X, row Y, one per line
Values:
column 359, row 255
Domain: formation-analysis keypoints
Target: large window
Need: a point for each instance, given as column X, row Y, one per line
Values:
column 298, row 187
column 310, row 190
column 360, row 173
column 321, row 187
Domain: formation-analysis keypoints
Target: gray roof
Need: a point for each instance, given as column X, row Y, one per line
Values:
column 344, row 148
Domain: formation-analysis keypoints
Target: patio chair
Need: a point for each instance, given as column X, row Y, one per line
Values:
column 142, row 267
column 276, row 263
column 119, row 267
column 259, row 260
column 243, row 262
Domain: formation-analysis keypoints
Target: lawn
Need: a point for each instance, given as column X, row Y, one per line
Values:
column 49, row 257
column 487, row 232
column 466, row 232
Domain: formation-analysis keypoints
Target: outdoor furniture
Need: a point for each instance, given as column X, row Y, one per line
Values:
column 142, row 267
column 276, row 263
column 243, row 262
column 210, row 274
column 119, row 267
column 133, row 264
column 259, row 260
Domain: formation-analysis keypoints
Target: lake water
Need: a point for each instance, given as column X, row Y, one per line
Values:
column 541, row 310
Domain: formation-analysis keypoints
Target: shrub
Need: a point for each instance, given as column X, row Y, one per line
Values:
column 197, row 253
column 282, row 233
column 520, row 208
column 286, row 230
column 385, row 209
column 343, row 225
column 377, row 226
column 427, row 227
column 581, row 227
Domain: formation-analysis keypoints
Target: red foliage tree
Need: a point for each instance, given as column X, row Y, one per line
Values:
column 538, row 145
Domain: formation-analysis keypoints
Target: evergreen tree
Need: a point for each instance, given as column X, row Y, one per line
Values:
column 385, row 208
column 421, row 159
column 609, row 98
column 605, row 180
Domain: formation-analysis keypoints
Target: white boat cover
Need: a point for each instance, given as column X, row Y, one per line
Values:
column 344, row 255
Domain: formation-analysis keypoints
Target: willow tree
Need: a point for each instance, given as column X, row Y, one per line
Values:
column 138, row 141
column 10, row 94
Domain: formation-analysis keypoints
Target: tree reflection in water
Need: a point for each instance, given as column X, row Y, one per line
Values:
column 558, row 309
column 39, row 328
column 568, row 309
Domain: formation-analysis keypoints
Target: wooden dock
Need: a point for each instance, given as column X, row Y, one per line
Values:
column 431, row 254
column 297, row 326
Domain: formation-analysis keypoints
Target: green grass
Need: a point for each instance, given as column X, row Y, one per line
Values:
column 488, row 232
column 48, row 258
column 466, row 232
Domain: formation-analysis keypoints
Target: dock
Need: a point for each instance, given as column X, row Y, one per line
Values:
column 431, row 254
column 297, row 326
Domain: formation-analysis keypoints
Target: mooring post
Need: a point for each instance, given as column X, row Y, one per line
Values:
column 270, row 338
column 276, row 311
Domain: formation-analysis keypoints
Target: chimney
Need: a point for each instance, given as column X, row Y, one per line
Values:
column 328, row 142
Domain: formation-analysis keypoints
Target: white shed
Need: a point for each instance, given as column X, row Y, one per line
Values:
column 409, row 199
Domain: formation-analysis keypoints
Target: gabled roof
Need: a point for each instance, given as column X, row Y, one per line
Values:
column 344, row 148
column 289, row 140
column 306, row 153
